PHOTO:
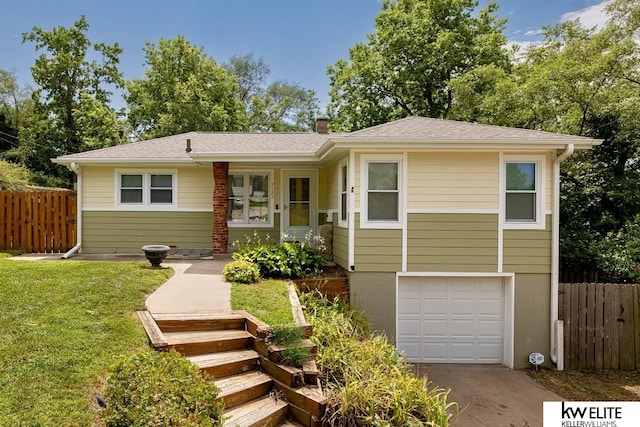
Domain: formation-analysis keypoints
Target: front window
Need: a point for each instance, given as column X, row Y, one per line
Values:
column 146, row 188
column 249, row 198
column 523, row 189
column 382, row 196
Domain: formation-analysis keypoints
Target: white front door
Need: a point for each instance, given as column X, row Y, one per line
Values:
column 299, row 203
column 451, row 319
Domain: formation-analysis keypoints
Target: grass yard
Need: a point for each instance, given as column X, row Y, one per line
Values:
column 62, row 324
column 590, row 385
column 268, row 300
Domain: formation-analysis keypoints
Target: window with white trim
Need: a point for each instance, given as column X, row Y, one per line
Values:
column 249, row 198
column 343, row 194
column 150, row 188
column 381, row 200
column 523, row 185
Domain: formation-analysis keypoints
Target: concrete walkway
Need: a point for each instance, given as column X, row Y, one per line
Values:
column 197, row 286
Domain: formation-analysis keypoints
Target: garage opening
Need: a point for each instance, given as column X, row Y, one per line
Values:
column 455, row 318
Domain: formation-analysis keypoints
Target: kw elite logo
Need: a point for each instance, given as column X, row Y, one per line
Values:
column 591, row 414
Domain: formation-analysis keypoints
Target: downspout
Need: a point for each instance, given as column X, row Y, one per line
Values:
column 555, row 350
column 76, row 169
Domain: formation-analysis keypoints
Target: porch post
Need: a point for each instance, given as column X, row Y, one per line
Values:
column 220, row 207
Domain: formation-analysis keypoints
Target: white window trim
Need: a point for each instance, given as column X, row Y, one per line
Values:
column 343, row 223
column 365, row 159
column 146, row 204
column 272, row 212
column 541, row 171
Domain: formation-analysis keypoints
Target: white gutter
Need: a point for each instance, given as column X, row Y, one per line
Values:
column 76, row 169
column 556, row 353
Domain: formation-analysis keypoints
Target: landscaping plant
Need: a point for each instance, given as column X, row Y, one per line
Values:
column 160, row 388
column 286, row 259
column 367, row 382
column 241, row 271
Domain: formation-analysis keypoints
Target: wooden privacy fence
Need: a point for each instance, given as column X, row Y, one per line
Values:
column 38, row 221
column 601, row 325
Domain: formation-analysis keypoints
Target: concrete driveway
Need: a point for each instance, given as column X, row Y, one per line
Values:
column 490, row 395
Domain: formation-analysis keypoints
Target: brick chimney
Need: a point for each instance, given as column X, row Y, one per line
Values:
column 220, row 206
column 322, row 125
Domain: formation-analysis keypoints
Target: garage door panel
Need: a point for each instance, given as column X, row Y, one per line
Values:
column 462, row 328
column 434, row 306
column 436, row 351
column 410, row 327
column 410, row 306
column 461, row 319
column 461, row 306
column 435, row 328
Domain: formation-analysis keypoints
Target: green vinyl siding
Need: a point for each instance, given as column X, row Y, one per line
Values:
column 528, row 251
column 531, row 311
column 452, row 242
column 127, row 231
column 377, row 249
column 340, row 244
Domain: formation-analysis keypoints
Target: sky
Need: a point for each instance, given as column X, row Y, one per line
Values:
column 298, row 39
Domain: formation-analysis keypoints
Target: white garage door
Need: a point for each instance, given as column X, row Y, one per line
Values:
column 451, row 319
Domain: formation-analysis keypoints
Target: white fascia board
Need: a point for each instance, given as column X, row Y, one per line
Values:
column 308, row 157
column 457, row 144
column 112, row 161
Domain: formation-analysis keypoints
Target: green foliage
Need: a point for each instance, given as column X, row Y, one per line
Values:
column 241, row 271
column 289, row 336
column 294, row 355
column 71, row 92
column 183, row 90
column 268, row 300
column 407, row 64
column 282, row 260
column 154, row 388
column 279, row 107
column 367, row 381
column 284, row 334
column 63, row 324
column 13, row 177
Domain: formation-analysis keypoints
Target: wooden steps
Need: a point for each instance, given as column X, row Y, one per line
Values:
column 242, row 388
column 256, row 391
column 266, row 411
column 202, row 342
column 227, row 363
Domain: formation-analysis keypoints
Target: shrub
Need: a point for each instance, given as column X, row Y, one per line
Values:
column 368, row 382
column 241, row 271
column 154, row 388
column 282, row 260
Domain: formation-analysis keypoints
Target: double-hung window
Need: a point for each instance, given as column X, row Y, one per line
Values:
column 249, row 198
column 146, row 189
column 343, row 207
column 523, row 185
column 381, row 196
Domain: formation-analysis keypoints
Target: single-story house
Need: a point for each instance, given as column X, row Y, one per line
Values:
column 448, row 230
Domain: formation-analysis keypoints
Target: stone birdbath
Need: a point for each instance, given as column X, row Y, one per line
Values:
column 155, row 254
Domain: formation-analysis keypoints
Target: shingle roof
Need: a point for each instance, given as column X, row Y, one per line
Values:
column 415, row 129
column 432, row 129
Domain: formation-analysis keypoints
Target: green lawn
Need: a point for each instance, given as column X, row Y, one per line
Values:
column 62, row 324
column 268, row 300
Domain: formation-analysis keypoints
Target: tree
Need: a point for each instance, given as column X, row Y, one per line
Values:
column 183, row 90
column 582, row 82
column 69, row 86
column 407, row 64
column 15, row 109
column 279, row 107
